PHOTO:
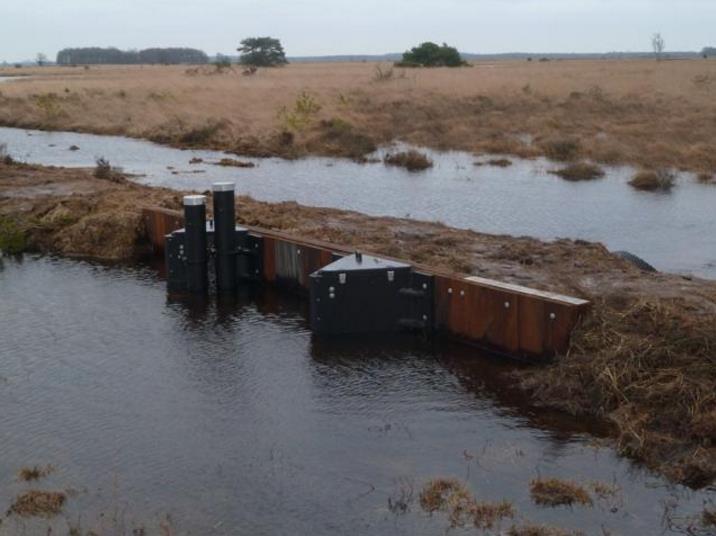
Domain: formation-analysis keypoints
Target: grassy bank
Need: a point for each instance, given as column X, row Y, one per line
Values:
column 643, row 360
column 638, row 112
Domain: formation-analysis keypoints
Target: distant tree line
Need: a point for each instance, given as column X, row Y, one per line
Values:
column 114, row 56
column 708, row 52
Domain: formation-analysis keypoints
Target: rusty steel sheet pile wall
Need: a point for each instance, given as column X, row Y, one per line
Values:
column 502, row 317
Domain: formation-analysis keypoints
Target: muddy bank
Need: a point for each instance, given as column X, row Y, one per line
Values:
column 643, row 360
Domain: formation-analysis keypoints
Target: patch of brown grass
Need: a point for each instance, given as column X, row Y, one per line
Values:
column 486, row 514
column 555, row 492
column 539, row 530
column 708, row 517
column 437, row 492
column 35, row 472
column 499, row 162
column 580, row 171
column 648, row 367
column 411, row 160
column 706, row 178
column 561, row 149
column 452, row 496
column 615, row 111
column 648, row 180
column 36, row 503
column 232, row 162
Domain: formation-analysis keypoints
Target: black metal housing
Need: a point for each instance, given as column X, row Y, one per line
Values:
column 362, row 293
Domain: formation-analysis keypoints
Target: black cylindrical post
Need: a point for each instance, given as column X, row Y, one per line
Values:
column 225, row 235
column 195, row 246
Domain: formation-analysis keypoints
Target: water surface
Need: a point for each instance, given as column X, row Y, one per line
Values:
column 231, row 418
column 675, row 232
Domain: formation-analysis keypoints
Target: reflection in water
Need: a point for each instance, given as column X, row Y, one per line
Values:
column 674, row 232
column 231, row 417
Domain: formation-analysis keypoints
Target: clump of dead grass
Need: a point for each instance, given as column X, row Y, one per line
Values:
column 706, row 178
column 555, row 492
column 451, row 496
column 708, row 517
column 561, row 149
column 436, row 493
column 539, row 530
column 36, row 503
column 35, row 472
column 580, row 171
column 232, row 162
column 485, row 515
column 653, row 180
column 499, row 162
column 104, row 170
column 411, row 160
column 648, row 367
column 202, row 135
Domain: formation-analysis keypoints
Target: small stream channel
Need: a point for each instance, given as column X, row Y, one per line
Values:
column 231, row 418
column 674, row 231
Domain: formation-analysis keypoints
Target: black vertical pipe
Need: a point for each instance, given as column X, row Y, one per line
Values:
column 195, row 245
column 225, row 235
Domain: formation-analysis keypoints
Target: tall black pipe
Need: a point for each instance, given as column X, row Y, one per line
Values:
column 195, row 245
column 225, row 235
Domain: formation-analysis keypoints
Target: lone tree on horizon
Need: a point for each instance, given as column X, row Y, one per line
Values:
column 658, row 44
column 430, row 54
column 262, row 52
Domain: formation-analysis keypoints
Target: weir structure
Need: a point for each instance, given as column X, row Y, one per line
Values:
column 352, row 292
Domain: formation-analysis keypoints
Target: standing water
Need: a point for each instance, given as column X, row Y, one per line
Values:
column 675, row 232
column 231, row 418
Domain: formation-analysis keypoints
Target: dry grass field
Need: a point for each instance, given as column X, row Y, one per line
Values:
column 647, row 113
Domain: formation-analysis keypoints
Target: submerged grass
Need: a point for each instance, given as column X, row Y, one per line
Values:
column 555, row 492
column 539, row 530
column 35, row 472
column 36, row 503
column 452, row 497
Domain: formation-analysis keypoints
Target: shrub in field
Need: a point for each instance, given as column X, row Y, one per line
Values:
column 304, row 110
column 648, row 180
column 411, row 160
column 430, row 54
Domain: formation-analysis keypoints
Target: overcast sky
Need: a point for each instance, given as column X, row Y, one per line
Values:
column 321, row 27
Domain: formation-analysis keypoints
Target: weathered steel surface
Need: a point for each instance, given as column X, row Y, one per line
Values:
column 160, row 222
column 508, row 318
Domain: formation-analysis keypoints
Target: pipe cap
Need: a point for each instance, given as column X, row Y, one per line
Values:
column 223, row 186
column 194, row 200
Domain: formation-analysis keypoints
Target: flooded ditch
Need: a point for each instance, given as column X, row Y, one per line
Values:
column 230, row 417
column 674, row 231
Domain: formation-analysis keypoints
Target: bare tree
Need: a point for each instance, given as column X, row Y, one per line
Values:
column 41, row 59
column 657, row 44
